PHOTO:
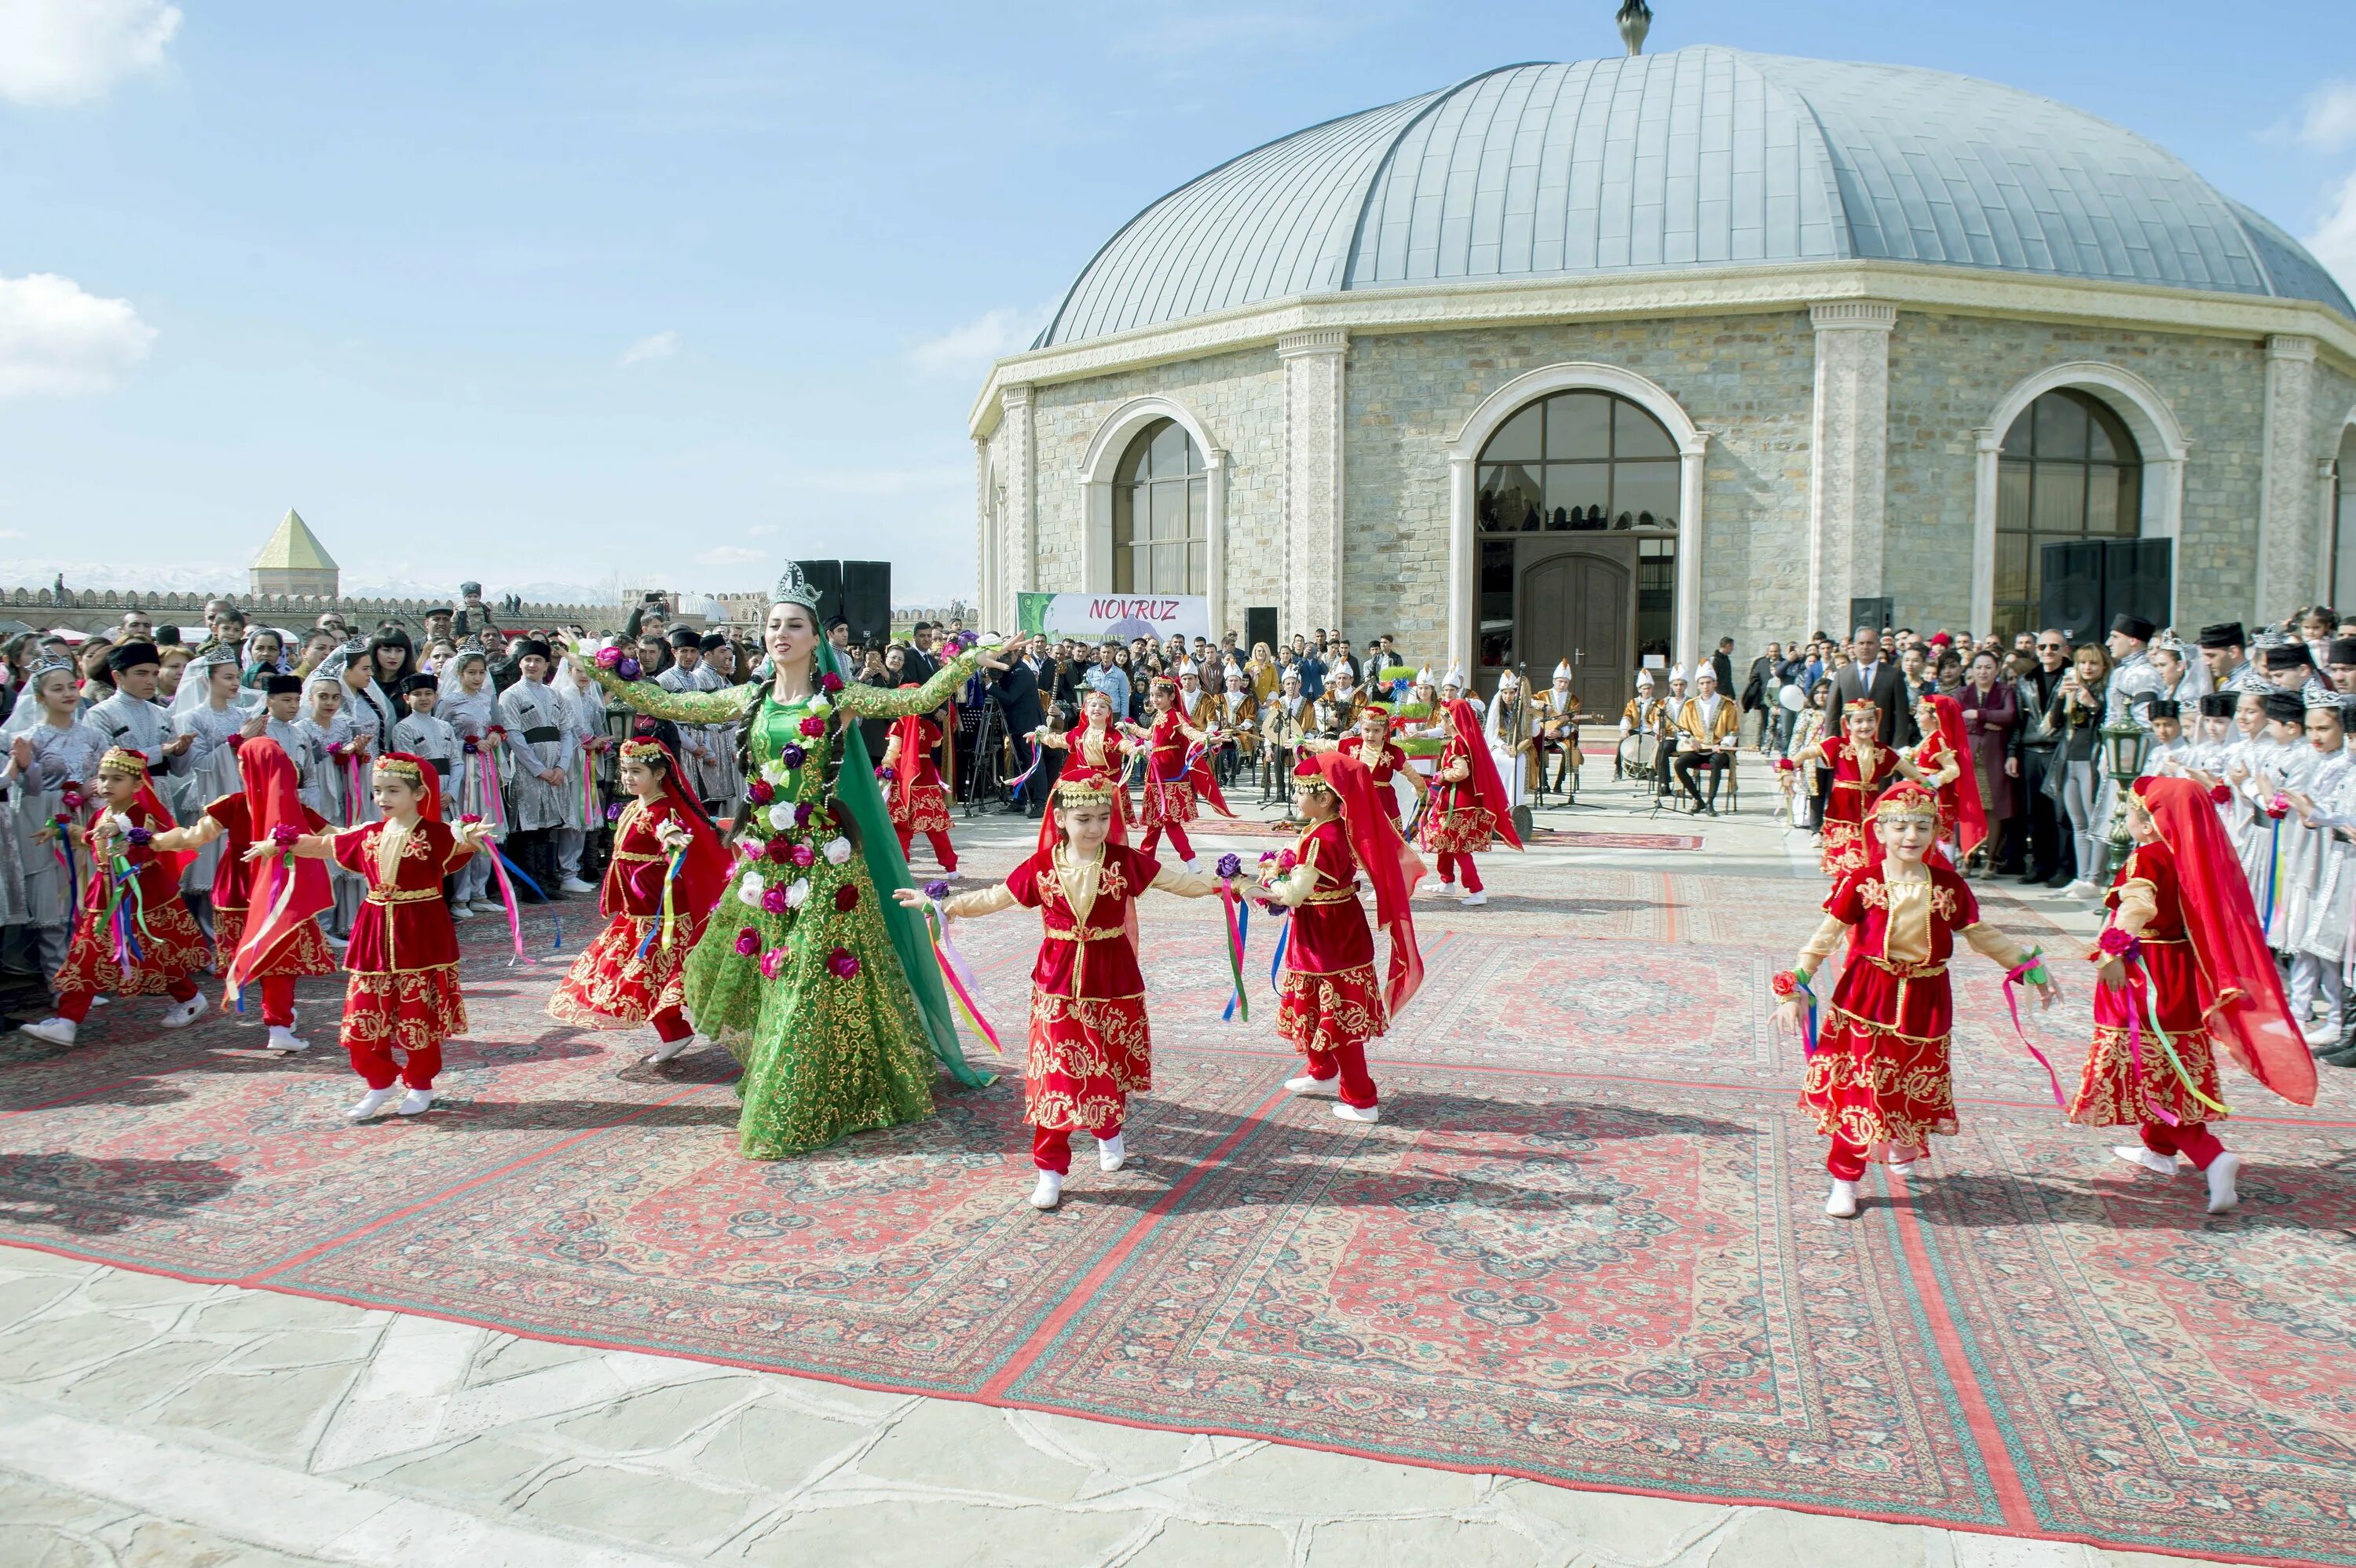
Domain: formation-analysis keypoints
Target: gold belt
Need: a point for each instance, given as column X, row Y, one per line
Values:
column 401, row 896
column 632, row 855
column 1086, row 933
column 1346, row 896
column 1909, row 971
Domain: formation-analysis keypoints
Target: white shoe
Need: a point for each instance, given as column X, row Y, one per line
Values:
column 1305, row 1085
column 56, row 1030
column 2136, row 1154
column 462, row 911
column 1049, row 1192
column 1900, row 1168
column 1474, row 901
column 283, row 1038
column 1358, row 1113
column 2220, row 1173
column 576, row 886
column 1193, row 867
column 416, row 1103
column 373, row 1102
column 1111, row 1153
column 1445, row 889
column 2080, row 889
column 666, row 1051
column 2322, row 1033
column 180, row 1015
column 1842, row 1204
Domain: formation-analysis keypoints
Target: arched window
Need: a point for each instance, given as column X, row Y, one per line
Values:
column 1578, row 462
column 1161, row 514
column 2069, row 470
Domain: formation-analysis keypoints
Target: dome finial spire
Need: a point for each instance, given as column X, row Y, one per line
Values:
column 1636, row 19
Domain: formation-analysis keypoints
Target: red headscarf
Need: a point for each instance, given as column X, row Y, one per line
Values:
column 1904, row 799
column 703, row 875
column 159, row 820
column 431, row 781
column 1470, row 744
column 1971, row 812
column 2245, row 1004
column 1049, row 838
column 1389, row 862
column 289, row 889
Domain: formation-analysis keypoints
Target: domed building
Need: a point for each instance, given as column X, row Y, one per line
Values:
column 1618, row 357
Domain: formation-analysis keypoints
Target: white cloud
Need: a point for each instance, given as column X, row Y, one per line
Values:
column 2334, row 242
column 68, row 51
column 657, row 346
column 2328, row 118
column 731, row 554
column 760, row 530
column 966, row 351
column 56, row 340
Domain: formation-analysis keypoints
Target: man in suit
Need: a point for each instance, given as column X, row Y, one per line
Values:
column 1722, row 662
column 1759, row 691
column 1014, row 686
column 1874, row 677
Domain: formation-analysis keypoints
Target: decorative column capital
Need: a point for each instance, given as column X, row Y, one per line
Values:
column 2291, row 346
column 1853, row 315
column 1215, row 457
column 1987, row 439
column 1316, row 340
column 1015, row 395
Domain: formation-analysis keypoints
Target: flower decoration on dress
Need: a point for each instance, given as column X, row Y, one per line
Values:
column 802, row 814
column 609, row 659
column 628, row 668
column 843, row 962
column 751, row 889
column 1229, row 866
column 791, row 755
column 774, row 901
column 748, row 941
column 773, row 771
column 2115, row 942
column 773, row 962
column 777, row 849
column 846, row 898
column 802, row 856
column 936, row 889
column 797, row 894
column 813, row 727
column 781, row 818
column 838, row 851
column 829, row 683
column 284, row 835
column 760, row 792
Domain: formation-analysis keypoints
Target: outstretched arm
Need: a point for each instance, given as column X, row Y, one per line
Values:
column 875, row 702
column 194, row 836
column 1184, row 884
column 645, row 697
column 965, row 906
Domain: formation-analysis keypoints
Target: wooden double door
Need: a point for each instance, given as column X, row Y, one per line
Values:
column 1579, row 605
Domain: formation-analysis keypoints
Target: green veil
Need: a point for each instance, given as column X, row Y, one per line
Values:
column 912, row 938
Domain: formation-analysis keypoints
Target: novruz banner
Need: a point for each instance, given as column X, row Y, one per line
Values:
column 1101, row 617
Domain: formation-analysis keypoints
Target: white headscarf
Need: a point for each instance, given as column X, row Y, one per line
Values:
column 198, row 676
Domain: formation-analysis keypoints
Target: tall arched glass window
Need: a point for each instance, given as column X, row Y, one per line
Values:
column 1160, row 514
column 2069, row 470
column 1578, row 462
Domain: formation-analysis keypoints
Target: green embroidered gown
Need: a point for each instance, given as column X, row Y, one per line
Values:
column 837, row 1012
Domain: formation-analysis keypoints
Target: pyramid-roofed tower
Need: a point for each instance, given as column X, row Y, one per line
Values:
column 294, row 561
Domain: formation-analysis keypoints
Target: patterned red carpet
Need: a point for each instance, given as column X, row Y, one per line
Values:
column 1585, row 1244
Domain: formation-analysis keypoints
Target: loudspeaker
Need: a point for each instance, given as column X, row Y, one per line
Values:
column 1877, row 613
column 2084, row 583
column 1260, row 626
column 867, row 600
column 2137, row 576
column 825, row 576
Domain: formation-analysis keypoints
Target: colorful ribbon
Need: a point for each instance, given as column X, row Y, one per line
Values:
column 1276, row 959
column 2274, row 870
column 2137, row 990
column 2030, row 967
column 1038, row 755
column 501, row 867
column 234, row 994
column 1239, row 931
column 354, row 778
column 670, row 914
column 964, row 987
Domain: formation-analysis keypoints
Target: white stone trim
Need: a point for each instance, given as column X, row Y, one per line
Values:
column 1464, row 451
column 1315, row 366
column 2158, row 435
column 1753, row 288
column 2284, row 489
column 1020, row 534
column 1848, row 454
column 1101, row 462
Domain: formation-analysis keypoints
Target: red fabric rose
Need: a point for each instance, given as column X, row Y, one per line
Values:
column 813, row 726
column 748, row 941
column 760, row 792
column 846, row 897
column 2115, row 942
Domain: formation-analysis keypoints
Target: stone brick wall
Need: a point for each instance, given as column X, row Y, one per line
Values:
column 1238, row 397
column 1745, row 379
column 1948, row 373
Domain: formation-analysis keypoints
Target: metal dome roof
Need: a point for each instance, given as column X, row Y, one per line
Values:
column 1700, row 157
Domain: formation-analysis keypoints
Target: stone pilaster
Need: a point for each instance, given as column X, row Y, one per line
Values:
column 1314, row 370
column 2287, row 511
column 1850, row 455
column 1018, row 524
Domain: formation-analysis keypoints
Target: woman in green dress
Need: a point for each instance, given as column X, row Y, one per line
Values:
column 823, row 988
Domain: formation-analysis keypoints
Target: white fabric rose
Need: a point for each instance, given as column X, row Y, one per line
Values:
column 797, row 894
column 776, row 773
column 750, row 890
column 837, row 852
column 820, row 708
column 781, row 818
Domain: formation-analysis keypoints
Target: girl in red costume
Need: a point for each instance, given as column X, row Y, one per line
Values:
column 1171, row 781
column 1090, row 1048
column 1467, row 804
column 2183, row 940
column 1371, row 744
column 265, row 911
column 1878, row 1083
column 1096, row 751
column 630, row 975
column 1862, row 768
column 1943, row 763
column 403, row 958
column 912, row 786
column 1330, row 1002
column 138, row 911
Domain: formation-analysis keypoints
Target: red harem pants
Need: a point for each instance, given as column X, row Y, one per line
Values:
column 1453, row 866
column 74, row 1006
column 1177, row 840
column 1051, row 1147
column 1349, row 1062
column 943, row 851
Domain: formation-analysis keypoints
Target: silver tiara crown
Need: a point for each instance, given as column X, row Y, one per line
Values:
column 793, row 588
column 41, row 668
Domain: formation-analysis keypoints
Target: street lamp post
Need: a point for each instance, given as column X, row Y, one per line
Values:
column 2125, row 742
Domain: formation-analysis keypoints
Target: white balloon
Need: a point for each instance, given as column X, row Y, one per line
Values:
column 1791, row 700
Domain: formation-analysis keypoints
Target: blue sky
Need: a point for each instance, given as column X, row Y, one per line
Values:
column 579, row 292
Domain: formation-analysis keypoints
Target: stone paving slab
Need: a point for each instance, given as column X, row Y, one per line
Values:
column 145, row 1422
